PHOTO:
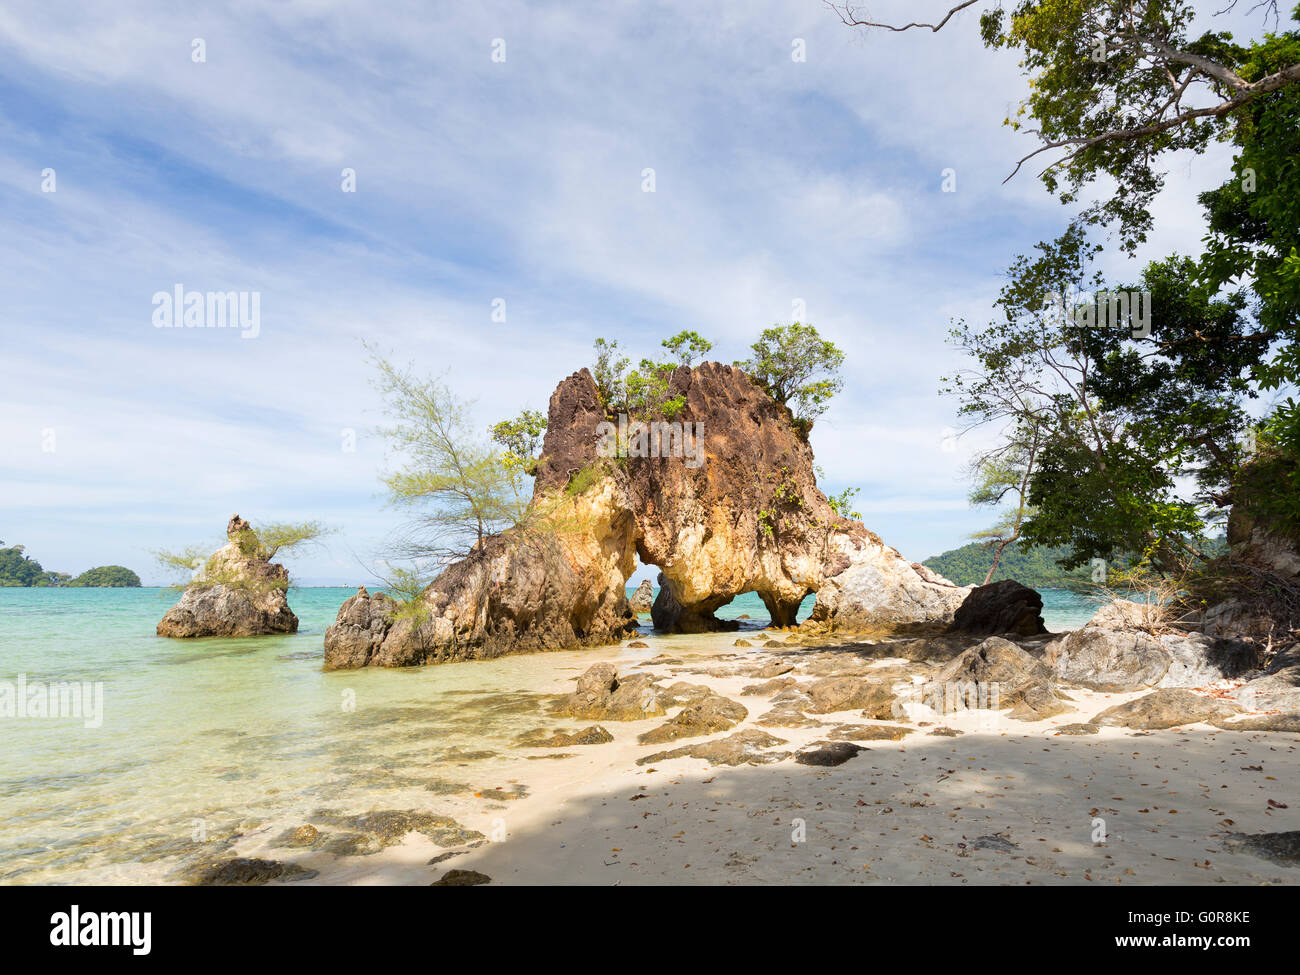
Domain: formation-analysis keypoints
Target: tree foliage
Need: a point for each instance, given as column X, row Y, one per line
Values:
column 456, row 485
column 797, row 367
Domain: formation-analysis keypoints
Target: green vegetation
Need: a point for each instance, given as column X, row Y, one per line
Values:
column 521, row 440
column 792, row 363
column 198, row 565
column 1033, row 567
column 1143, row 431
column 798, row 368
column 106, row 576
column 458, row 486
column 20, row 570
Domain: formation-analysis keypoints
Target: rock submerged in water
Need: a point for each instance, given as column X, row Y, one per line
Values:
column 237, row 593
column 643, row 598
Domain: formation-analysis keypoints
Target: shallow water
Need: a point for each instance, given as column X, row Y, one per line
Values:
column 202, row 739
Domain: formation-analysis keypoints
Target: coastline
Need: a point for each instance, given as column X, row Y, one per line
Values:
column 1004, row 802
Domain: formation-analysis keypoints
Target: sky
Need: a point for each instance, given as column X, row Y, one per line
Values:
column 499, row 153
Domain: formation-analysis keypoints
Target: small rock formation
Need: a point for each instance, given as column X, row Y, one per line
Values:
column 1003, row 607
column 712, row 713
column 832, row 694
column 827, row 754
column 237, row 593
column 643, row 598
column 602, row 696
column 1104, row 658
column 1023, row 682
column 868, row 587
column 749, row 747
column 1166, row 708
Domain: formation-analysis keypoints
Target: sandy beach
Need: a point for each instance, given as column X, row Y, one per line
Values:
column 972, row 797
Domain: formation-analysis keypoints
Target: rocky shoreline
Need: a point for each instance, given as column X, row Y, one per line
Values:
column 945, row 758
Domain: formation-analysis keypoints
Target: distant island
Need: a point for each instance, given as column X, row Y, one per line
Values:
column 1034, row 567
column 19, row 569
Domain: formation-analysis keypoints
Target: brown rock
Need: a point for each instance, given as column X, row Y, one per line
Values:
column 714, row 713
column 998, row 608
column 238, row 592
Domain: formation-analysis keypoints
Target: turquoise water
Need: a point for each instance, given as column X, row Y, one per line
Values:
column 203, row 739
column 1062, row 609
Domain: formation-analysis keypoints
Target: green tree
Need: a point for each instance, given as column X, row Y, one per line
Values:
column 687, row 346
column 798, row 368
column 1113, row 84
column 456, row 484
column 1006, row 471
column 521, row 439
column 1122, row 421
column 17, row 569
column 199, row 565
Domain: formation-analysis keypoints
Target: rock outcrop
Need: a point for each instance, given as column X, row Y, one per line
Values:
column 1104, row 657
column 1003, row 607
column 1167, row 708
column 722, row 498
column 238, row 592
column 643, row 598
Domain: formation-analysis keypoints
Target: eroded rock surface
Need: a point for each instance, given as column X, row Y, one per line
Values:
column 238, row 592
column 728, row 505
column 1167, row 708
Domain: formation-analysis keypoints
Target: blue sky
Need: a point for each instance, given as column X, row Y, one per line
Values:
column 521, row 179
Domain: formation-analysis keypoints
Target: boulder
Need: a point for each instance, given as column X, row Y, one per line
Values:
column 1279, row 687
column 713, row 713
column 999, row 674
column 238, row 592
column 832, row 694
column 869, row 588
column 827, row 753
column 1115, row 660
column 603, row 696
column 1167, row 708
column 643, row 598
column 1003, row 607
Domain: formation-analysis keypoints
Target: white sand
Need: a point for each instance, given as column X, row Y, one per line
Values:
column 901, row 812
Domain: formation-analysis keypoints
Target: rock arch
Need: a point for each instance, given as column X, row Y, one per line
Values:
column 733, row 508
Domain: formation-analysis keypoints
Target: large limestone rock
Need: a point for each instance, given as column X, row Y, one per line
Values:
column 237, row 593
column 734, row 508
column 521, row 590
column 1000, row 607
column 868, row 587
